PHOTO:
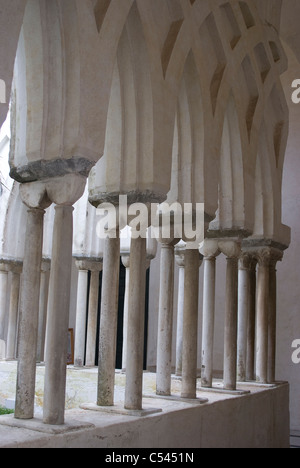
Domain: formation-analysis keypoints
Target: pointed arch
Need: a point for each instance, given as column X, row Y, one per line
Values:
column 135, row 160
column 188, row 182
column 236, row 202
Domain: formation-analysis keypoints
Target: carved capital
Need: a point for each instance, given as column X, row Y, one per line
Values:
column 247, row 261
column 264, row 256
column 230, row 248
column 210, row 248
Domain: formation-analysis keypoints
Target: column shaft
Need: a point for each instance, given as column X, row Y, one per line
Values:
column 58, row 316
column 165, row 321
column 29, row 312
column 180, row 311
column 108, row 322
column 272, row 324
column 190, row 325
column 80, row 327
column 92, row 320
column 208, row 321
column 13, row 316
column 243, row 314
column 250, row 371
column 126, row 263
column 3, row 297
column 262, row 322
column 136, row 324
column 230, row 349
column 44, row 292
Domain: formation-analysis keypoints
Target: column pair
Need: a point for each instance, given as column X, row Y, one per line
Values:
column 86, row 326
column 189, row 262
column 64, row 192
column 267, row 258
column 211, row 248
column 246, row 316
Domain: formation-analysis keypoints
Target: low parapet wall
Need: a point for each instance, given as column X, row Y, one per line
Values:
column 259, row 419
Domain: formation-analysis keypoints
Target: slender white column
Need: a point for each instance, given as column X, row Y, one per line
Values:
column 179, row 256
column 210, row 250
column 3, row 296
column 250, row 371
column 44, row 290
column 93, row 315
column 232, row 251
column 108, row 322
column 29, row 312
column 165, row 320
column 126, row 263
column 276, row 257
column 81, row 308
column 262, row 311
column 13, row 312
column 190, row 325
column 58, row 316
column 243, row 313
column 136, row 324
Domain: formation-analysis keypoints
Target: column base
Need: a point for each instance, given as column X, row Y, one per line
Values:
column 37, row 425
column 119, row 409
column 190, row 401
column 218, row 387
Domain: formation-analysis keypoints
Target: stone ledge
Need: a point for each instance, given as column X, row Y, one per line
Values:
column 37, row 425
column 119, row 409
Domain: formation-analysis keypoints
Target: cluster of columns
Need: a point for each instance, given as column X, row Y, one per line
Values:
column 38, row 196
column 136, row 261
column 250, row 315
column 87, row 300
column 11, row 274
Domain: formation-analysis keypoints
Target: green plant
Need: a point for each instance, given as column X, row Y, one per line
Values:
column 5, row 411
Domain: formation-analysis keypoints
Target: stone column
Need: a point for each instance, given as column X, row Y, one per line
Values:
column 210, row 251
column 136, row 324
column 250, row 370
column 3, row 295
column 190, row 325
column 179, row 256
column 29, row 313
column 276, row 257
column 95, row 269
column 262, row 317
column 231, row 249
column 244, row 279
column 15, row 270
column 126, row 263
column 165, row 319
column 58, row 316
column 81, row 309
column 109, row 321
column 44, row 290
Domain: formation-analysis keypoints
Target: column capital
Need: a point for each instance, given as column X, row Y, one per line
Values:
column 180, row 255
column 230, row 247
column 46, row 265
column 126, row 260
column 247, row 260
column 87, row 264
column 11, row 265
column 210, row 248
